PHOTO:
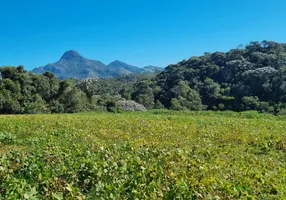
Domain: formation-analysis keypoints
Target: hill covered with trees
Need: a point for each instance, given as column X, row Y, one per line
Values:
column 246, row 78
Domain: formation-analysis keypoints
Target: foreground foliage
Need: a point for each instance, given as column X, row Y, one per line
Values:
column 153, row 155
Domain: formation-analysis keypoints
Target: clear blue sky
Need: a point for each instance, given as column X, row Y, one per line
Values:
column 140, row 32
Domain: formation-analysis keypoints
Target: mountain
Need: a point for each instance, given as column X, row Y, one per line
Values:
column 117, row 68
column 153, row 69
column 73, row 65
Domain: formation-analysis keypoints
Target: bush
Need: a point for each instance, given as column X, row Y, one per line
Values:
column 111, row 106
column 7, row 138
column 282, row 112
column 158, row 105
column 175, row 104
column 38, row 105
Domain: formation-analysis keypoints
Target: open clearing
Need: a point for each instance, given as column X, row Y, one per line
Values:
column 153, row 155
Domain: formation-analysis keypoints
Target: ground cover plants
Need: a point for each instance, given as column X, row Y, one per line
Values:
column 151, row 155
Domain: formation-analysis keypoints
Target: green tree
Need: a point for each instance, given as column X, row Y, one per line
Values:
column 175, row 105
column 144, row 94
column 37, row 105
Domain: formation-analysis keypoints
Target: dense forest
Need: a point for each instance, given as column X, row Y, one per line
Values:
column 246, row 78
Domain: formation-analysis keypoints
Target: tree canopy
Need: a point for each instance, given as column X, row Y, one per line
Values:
column 248, row 78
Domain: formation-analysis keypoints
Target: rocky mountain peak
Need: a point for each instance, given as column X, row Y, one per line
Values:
column 71, row 54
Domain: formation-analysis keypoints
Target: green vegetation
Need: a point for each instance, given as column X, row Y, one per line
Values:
column 153, row 155
column 250, row 78
column 159, row 154
column 23, row 92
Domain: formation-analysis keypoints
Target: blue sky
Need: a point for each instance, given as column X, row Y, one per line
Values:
column 140, row 32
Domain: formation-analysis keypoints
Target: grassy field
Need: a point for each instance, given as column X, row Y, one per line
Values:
column 153, row 155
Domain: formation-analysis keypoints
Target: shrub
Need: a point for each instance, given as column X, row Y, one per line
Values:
column 7, row 138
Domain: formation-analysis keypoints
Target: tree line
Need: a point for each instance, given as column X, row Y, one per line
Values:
column 246, row 78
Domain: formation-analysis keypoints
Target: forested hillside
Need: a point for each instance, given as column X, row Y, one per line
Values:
column 247, row 78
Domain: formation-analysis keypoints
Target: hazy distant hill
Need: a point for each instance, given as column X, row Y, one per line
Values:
column 152, row 69
column 73, row 65
column 118, row 68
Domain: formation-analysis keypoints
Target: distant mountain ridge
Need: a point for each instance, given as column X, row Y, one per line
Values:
column 73, row 65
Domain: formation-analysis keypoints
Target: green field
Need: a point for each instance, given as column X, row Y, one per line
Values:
column 153, row 155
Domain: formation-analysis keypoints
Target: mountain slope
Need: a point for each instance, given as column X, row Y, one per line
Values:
column 73, row 65
column 250, row 78
column 152, row 69
column 117, row 68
